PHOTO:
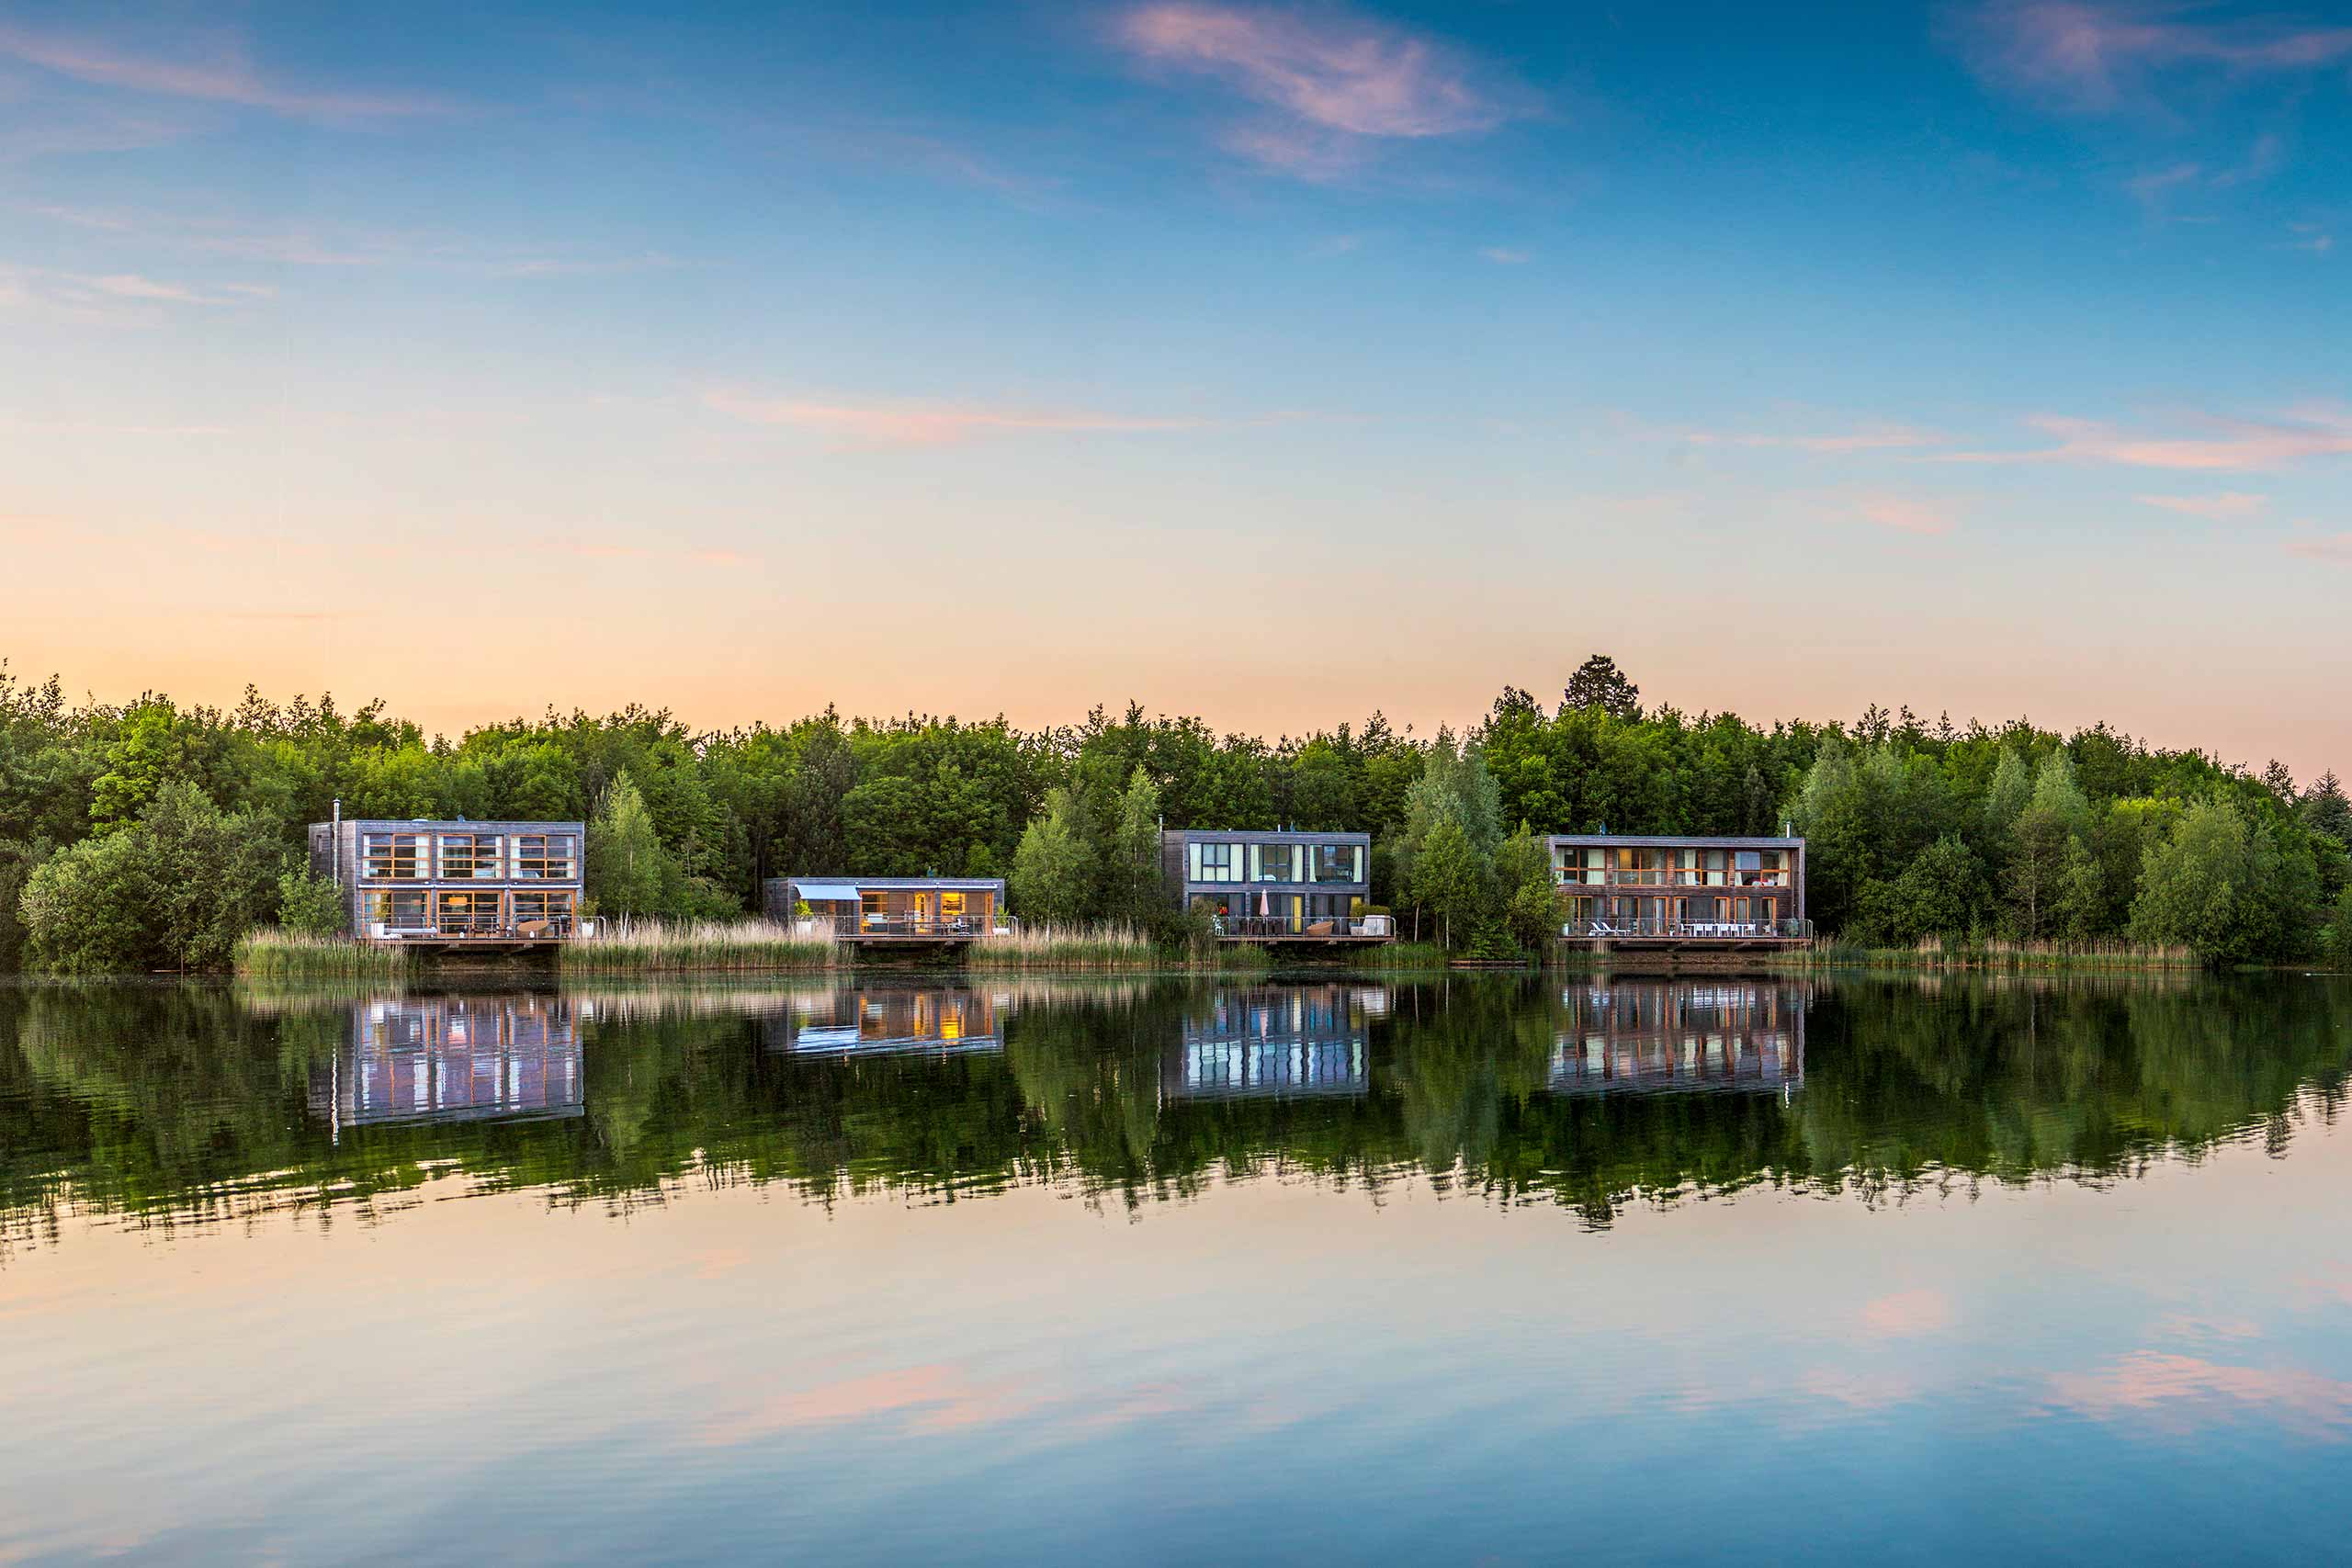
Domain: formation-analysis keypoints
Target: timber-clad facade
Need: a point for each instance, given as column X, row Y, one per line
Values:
column 414, row 880
column 1663, row 887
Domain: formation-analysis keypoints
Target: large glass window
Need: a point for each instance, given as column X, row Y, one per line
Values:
column 1217, row 863
column 466, row 914
column 546, row 857
column 472, row 857
column 1276, row 862
column 543, row 913
column 402, row 911
column 1339, row 863
column 392, row 857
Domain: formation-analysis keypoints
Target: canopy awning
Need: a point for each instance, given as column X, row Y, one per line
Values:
column 828, row 892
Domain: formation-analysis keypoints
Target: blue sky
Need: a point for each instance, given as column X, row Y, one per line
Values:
column 1984, row 357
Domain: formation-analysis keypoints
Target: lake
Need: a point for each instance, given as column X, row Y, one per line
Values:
column 1486, row 1270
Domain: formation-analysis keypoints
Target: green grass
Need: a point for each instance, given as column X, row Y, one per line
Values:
column 1991, row 954
column 270, row 953
column 702, row 947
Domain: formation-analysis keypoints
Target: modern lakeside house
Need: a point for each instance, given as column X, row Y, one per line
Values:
column 1667, row 888
column 949, row 909
column 513, row 885
column 1276, row 885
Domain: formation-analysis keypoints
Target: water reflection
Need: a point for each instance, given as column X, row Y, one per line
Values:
column 452, row 1058
column 185, row 1103
column 1679, row 1034
column 881, row 1020
column 1274, row 1040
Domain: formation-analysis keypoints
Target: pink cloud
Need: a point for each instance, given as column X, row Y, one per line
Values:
column 2097, row 58
column 2327, row 547
column 1907, row 1313
column 1865, row 438
column 224, row 77
column 2159, row 1388
column 1335, row 78
column 1903, row 514
column 913, row 425
column 2224, row 507
column 2234, row 445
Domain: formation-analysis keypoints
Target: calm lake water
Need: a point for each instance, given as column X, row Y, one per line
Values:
column 1481, row 1270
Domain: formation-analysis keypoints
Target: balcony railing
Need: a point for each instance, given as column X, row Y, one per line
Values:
column 1606, row 930
column 908, row 925
column 481, row 928
column 1669, row 876
column 1303, row 925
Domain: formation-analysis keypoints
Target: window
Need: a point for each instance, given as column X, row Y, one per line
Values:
column 1275, row 862
column 1339, row 863
column 392, row 857
column 873, row 909
column 1217, row 863
column 472, row 857
column 466, row 914
column 546, row 857
column 552, row 908
column 403, row 910
column 951, row 906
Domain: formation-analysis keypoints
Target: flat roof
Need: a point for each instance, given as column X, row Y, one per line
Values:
column 897, row 883
column 434, row 824
column 1673, row 841
column 1245, row 835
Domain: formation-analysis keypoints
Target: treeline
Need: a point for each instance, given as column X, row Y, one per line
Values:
column 150, row 834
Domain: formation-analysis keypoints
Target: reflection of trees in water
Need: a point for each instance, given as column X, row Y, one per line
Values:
column 185, row 1103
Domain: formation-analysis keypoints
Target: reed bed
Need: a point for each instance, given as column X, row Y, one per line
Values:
column 270, row 953
column 1096, row 948
column 1994, row 953
column 664, row 947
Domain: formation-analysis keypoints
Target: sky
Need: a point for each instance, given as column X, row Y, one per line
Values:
column 1272, row 363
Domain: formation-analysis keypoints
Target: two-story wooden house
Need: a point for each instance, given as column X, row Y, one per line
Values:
column 1275, row 884
column 1671, row 888
column 433, row 881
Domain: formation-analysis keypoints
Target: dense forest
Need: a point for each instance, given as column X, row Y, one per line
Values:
column 152, row 834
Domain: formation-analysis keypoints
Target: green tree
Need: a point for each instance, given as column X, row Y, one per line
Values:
column 311, row 905
column 1135, row 890
column 1941, row 894
column 1051, row 882
column 1530, row 903
column 1451, row 878
column 2207, row 887
column 627, row 871
column 1598, row 683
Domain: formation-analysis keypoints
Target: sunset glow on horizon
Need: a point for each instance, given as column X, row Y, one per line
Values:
column 1271, row 364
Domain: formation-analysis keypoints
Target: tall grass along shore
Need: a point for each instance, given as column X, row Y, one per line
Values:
column 274, row 954
column 1094, row 948
column 1991, row 952
column 655, row 947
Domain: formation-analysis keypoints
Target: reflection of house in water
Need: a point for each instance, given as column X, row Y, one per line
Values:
column 453, row 1058
column 873, row 1019
column 1275, row 1041
column 1678, row 1034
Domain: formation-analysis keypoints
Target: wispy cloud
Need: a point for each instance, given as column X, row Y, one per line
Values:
column 219, row 74
column 913, row 425
column 2176, row 1393
column 130, row 286
column 2098, row 58
column 2229, row 446
column 2336, row 547
column 1506, row 255
column 1906, row 514
column 2226, row 507
column 1873, row 438
column 1334, row 81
